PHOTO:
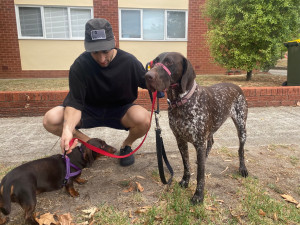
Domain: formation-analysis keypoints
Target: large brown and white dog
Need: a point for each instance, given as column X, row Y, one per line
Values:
column 196, row 112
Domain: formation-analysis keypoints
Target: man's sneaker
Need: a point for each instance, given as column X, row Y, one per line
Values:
column 128, row 160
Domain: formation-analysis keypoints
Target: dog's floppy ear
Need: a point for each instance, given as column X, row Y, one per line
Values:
column 188, row 75
column 88, row 155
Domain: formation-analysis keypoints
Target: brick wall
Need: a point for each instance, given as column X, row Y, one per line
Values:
column 197, row 48
column 36, row 103
column 10, row 61
column 108, row 9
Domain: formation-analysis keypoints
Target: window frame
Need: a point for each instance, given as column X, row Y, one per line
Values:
column 43, row 21
column 165, row 25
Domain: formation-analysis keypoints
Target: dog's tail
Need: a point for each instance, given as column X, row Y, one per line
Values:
column 5, row 201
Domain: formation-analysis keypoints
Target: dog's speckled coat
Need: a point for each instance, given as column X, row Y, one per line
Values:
column 201, row 116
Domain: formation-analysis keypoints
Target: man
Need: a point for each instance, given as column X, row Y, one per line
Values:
column 103, row 83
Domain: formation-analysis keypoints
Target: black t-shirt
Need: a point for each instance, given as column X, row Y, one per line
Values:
column 115, row 85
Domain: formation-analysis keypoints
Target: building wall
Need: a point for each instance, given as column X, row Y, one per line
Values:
column 148, row 50
column 197, row 49
column 52, row 58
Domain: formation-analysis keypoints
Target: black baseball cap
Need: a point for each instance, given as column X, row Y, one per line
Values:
column 98, row 35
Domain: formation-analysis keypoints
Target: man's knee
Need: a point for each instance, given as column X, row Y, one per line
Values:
column 137, row 116
column 53, row 117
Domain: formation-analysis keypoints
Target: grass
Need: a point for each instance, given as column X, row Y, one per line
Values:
column 254, row 206
column 34, row 84
column 57, row 84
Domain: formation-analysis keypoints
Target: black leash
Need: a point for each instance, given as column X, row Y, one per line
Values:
column 160, row 149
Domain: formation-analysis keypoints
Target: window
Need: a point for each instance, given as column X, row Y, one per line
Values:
column 46, row 22
column 31, row 22
column 153, row 24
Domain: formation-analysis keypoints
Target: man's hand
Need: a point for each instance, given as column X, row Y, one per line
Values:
column 71, row 119
column 65, row 141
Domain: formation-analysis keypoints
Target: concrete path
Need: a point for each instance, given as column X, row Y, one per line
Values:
column 24, row 138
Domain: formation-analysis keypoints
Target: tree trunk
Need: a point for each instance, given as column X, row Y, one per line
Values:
column 249, row 75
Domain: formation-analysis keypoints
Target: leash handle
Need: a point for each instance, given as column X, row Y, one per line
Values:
column 102, row 152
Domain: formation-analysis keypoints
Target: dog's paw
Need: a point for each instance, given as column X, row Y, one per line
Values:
column 73, row 192
column 196, row 199
column 79, row 180
column 183, row 183
column 243, row 172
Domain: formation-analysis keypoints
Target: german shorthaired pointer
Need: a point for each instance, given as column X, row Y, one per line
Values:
column 196, row 113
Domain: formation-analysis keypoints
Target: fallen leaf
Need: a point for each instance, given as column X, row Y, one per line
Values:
column 221, row 201
column 130, row 189
column 91, row 211
column 143, row 209
column 211, row 208
column 46, row 219
column 65, row 219
column 139, row 187
column 275, row 217
column 158, row 218
column 262, row 213
column 141, row 177
column 134, row 220
column 290, row 199
column 130, row 214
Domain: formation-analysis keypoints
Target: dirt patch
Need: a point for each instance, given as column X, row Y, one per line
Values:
column 276, row 167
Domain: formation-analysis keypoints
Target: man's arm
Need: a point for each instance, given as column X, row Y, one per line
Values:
column 72, row 117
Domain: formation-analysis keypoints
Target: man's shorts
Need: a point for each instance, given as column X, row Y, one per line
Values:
column 103, row 117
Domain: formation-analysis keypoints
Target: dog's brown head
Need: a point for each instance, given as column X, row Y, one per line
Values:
column 90, row 156
column 182, row 72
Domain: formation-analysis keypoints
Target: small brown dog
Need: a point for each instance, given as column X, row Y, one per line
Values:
column 43, row 175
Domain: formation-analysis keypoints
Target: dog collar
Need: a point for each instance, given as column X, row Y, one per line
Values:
column 164, row 67
column 184, row 99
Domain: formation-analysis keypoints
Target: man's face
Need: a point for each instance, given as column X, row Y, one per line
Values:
column 103, row 58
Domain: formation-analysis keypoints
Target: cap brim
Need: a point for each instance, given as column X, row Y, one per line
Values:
column 101, row 45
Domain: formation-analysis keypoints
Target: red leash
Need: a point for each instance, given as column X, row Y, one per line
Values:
column 102, row 152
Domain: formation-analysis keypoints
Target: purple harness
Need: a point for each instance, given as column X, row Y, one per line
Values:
column 68, row 169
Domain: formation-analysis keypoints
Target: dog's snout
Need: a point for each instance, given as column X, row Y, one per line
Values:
column 150, row 75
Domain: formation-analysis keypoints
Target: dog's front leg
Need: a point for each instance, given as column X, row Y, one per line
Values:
column 201, row 157
column 70, row 188
column 183, row 148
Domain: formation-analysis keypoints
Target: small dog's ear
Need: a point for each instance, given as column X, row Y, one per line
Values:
column 188, row 75
column 88, row 155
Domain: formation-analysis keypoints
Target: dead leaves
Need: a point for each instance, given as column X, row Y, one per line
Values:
column 290, row 199
column 134, row 186
column 50, row 219
column 46, row 219
column 66, row 219
column 261, row 212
